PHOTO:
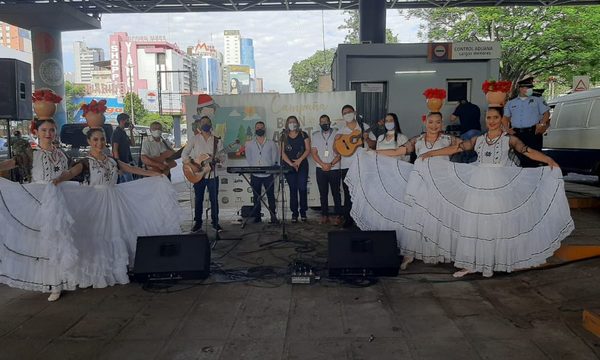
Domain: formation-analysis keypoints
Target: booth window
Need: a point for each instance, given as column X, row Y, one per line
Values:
column 458, row 89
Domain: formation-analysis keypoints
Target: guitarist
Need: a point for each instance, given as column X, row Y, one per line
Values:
column 156, row 153
column 205, row 144
column 350, row 125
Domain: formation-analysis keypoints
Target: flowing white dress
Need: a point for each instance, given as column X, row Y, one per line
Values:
column 110, row 218
column 485, row 217
column 37, row 250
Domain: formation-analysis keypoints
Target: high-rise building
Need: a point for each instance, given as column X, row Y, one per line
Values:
column 84, row 61
column 232, row 51
column 208, row 68
column 14, row 37
column 247, row 54
column 136, row 63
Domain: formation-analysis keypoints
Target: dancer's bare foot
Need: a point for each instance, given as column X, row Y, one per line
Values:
column 462, row 273
column 406, row 261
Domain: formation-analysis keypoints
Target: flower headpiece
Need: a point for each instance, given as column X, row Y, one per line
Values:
column 496, row 86
column 94, row 106
column 434, row 93
column 45, row 95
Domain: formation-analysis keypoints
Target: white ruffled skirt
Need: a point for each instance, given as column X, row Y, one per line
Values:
column 72, row 235
column 482, row 218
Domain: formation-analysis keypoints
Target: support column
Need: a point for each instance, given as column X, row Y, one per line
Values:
column 48, row 67
column 372, row 21
column 177, row 130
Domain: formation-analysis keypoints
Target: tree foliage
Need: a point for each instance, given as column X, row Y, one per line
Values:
column 149, row 118
column 541, row 41
column 352, row 25
column 72, row 91
column 139, row 110
column 304, row 75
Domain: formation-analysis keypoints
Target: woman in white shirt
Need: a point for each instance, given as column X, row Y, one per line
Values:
column 393, row 138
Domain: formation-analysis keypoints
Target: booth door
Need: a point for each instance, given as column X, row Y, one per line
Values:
column 371, row 100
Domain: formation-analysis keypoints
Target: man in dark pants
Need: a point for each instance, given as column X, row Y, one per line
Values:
column 327, row 175
column 469, row 116
column 262, row 152
column 527, row 117
column 121, row 144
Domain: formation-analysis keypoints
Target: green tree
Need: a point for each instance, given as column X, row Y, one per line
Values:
column 139, row 110
column 72, row 91
column 352, row 25
column 541, row 41
column 304, row 74
column 149, row 118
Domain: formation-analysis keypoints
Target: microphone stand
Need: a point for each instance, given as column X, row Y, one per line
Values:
column 284, row 237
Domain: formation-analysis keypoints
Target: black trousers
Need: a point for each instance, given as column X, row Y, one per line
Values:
column 257, row 184
column 325, row 181
column 529, row 138
column 347, row 198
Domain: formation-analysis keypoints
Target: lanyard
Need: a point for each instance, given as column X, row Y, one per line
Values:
column 260, row 149
column 326, row 141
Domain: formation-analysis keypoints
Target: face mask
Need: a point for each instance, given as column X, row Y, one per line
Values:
column 325, row 127
column 260, row 132
column 292, row 126
column 348, row 117
column 206, row 127
column 390, row 126
column 529, row 92
column 156, row 133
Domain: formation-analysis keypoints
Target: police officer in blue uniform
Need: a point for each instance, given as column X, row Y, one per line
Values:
column 527, row 117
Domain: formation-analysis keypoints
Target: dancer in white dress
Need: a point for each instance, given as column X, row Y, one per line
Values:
column 409, row 239
column 112, row 216
column 393, row 138
column 36, row 247
column 497, row 217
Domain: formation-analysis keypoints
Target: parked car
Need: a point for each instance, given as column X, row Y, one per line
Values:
column 572, row 139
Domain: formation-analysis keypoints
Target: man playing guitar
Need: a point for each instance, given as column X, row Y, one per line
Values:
column 156, row 153
column 205, row 145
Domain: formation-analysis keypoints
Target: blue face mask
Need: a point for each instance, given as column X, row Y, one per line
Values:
column 206, row 128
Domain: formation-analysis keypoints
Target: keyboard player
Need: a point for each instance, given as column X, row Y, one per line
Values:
column 261, row 151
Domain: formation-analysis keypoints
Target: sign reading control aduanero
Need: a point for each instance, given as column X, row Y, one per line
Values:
column 464, row 51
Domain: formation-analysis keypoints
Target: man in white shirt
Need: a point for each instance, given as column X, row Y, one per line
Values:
column 351, row 124
column 262, row 152
column 205, row 143
column 328, row 176
column 155, row 152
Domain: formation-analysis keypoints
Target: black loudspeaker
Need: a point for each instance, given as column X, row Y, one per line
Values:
column 363, row 253
column 72, row 134
column 172, row 257
column 15, row 90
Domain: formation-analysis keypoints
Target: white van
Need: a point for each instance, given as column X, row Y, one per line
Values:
column 573, row 139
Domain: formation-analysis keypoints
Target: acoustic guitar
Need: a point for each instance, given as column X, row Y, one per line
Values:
column 346, row 145
column 200, row 168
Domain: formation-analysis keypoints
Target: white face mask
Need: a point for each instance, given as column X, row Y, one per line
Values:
column 292, row 126
column 348, row 117
column 529, row 92
column 390, row 126
column 156, row 133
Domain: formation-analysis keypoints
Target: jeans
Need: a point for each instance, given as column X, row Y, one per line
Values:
column 298, row 183
column 325, row 180
column 125, row 177
column 469, row 156
column 347, row 198
column 213, row 191
column 257, row 184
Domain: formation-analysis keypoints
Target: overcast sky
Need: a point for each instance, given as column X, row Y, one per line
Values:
column 280, row 38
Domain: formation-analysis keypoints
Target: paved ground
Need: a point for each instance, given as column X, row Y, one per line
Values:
column 247, row 310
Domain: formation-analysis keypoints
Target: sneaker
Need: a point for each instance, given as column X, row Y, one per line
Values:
column 304, row 219
column 197, row 226
column 217, row 228
column 54, row 295
column 295, row 220
column 274, row 221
